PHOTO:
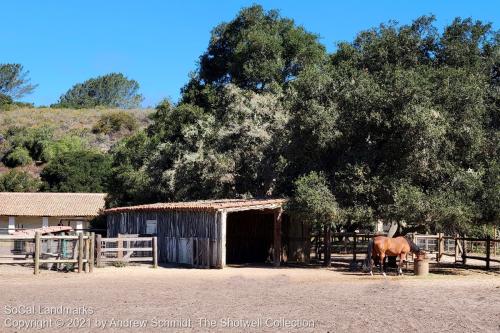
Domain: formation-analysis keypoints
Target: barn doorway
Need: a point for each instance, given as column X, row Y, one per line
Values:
column 249, row 237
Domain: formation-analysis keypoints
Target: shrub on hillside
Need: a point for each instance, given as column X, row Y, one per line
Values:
column 32, row 139
column 5, row 101
column 51, row 149
column 114, row 122
column 77, row 171
column 19, row 156
column 18, row 181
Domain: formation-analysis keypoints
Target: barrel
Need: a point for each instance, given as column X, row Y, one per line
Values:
column 421, row 265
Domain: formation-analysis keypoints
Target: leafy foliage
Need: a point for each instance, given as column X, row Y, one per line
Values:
column 77, row 171
column 111, row 90
column 14, row 82
column 114, row 122
column 258, row 51
column 401, row 124
column 313, row 200
column 19, row 156
column 18, row 181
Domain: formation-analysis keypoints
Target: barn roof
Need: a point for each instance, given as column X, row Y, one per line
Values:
column 204, row 205
column 51, row 204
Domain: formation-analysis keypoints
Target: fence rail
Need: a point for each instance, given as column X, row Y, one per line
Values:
column 126, row 249
column 82, row 250
column 485, row 249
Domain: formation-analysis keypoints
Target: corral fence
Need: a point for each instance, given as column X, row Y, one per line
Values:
column 78, row 252
column 126, row 249
column 49, row 251
column 439, row 247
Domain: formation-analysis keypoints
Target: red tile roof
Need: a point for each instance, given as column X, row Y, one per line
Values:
column 51, row 204
column 205, row 205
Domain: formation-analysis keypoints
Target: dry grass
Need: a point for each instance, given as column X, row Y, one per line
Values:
column 69, row 121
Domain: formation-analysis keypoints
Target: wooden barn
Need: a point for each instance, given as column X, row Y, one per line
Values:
column 212, row 233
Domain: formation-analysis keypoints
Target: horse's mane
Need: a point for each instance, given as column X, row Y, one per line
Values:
column 413, row 247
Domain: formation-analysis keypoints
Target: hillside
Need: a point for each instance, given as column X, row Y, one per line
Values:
column 69, row 122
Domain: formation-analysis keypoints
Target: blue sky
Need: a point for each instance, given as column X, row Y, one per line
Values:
column 158, row 43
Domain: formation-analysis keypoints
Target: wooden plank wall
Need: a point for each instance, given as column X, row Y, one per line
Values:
column 172, row 228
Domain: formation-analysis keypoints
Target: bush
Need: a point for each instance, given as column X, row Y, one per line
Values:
column 19, row 181
column 19, row 156
column 51, row 149
column 5, row 101
column 32, row 139
column 77, row 171
column 114, row 122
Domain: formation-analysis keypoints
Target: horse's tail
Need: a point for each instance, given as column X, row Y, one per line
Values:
column 368, row 259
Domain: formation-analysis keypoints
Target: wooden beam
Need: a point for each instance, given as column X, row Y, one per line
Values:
column 87, row 254
column 278, row 216
column 155, row 252
column 37, row 253
column 80, row 252
column 98, row 250
column 223, row 230
column 92, row 251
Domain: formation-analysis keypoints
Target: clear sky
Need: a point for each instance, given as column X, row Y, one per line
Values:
column 158, row 43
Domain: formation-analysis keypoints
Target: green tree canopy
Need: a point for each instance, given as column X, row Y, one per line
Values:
column 14, row 81
column 404, row 121
column 111, row 90
column 257, row 50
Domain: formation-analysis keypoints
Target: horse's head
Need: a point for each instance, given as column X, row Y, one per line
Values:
column 420, row 254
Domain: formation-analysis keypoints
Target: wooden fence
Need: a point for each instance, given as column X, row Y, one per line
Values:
column 126, row 249
column 80, row 251
column 460, row 248
column 49, row 250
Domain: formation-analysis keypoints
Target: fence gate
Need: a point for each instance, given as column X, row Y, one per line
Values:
column 126, row 249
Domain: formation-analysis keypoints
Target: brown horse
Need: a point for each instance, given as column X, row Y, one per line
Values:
column 380, row 246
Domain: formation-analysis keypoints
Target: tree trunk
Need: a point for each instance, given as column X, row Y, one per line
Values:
column 328, row 246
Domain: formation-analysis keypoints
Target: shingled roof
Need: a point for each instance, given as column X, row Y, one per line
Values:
column 204, row 205
column 51, row 204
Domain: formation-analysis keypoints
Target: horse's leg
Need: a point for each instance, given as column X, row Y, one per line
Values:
column 382, row 257
column 400, row 270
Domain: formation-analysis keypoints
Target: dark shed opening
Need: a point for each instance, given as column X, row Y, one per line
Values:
column 249, row 237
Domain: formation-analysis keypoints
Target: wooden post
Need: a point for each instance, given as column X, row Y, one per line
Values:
column 457, row 245
column 440, row 247
column 98, row 250
column 354, row 248
column 223, row 229
column 464, row 250
column 154, row 244
column 488, row 254
column 277, row 236
column 328, row 246
column 119, row 254
column 92, row 249
column 495, row 243
column 37, row 253
column 80, row 252
column 87, row 253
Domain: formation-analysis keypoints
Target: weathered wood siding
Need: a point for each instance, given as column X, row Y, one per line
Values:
column 179, row 233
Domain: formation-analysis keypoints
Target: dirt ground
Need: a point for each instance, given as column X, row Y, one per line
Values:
column 266, row 299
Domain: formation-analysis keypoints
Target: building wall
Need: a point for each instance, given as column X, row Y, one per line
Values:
column 175, row 229
column 32, row 222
